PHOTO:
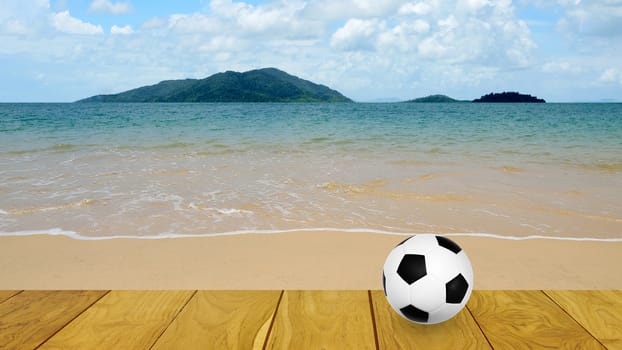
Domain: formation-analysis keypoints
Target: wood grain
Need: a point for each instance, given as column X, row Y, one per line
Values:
column 303, row 319
column 121, row 320
column 6, row 294
column 527, row 319
column 394, row 332
column 29, row 318
column 323, row 319
column 222, row 320
column 598, row 311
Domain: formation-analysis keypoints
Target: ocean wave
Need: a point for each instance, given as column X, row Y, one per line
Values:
column 374, row 188
column 603, row 166
column 59, row 147
column 81, row 203
column 78, row 236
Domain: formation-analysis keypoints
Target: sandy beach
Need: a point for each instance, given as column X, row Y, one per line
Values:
column 181, row 196
column 293, row 260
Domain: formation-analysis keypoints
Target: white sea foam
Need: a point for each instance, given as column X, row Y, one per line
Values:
column 491, row 213
column 78, row 236
column 231, row 211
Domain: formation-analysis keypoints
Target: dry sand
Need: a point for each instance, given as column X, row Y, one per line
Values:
column 296, row 260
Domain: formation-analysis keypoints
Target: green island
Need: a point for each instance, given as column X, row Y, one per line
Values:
column 259, row 85
column 508, row 97
column 434, row 99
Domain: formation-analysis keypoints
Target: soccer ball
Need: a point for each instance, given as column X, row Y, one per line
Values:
column 427, row 279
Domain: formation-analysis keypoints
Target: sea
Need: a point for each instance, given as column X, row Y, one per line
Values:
column 96, row 171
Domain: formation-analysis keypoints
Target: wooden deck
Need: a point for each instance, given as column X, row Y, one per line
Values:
column 292, row 319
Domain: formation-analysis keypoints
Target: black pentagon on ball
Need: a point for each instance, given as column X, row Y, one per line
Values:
column 456, row 289
column 448, row 244
column 414, row 314
column 412, row 268
column 384, row 284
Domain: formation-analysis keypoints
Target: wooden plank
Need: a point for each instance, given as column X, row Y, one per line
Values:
column 323, row 320
column 527, row 319
column 222, row 320
column 6, row 294
column 598, row 311
column 122, row 320
column 394, row 332
column 29, row 318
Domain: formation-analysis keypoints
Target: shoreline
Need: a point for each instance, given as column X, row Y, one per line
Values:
column 81, row 237
column 289, row 260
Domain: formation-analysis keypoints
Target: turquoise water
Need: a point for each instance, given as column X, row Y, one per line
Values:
column 152, row 169
column 568, row 133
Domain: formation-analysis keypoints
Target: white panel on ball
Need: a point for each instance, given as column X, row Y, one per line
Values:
column 427, row 294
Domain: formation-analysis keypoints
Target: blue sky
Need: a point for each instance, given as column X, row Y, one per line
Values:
column 561, row 50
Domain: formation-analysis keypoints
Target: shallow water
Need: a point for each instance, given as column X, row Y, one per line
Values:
column 162, row 169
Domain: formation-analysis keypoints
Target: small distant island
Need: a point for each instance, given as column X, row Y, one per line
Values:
column 508, row 97
column 434, row 99
column 259, row 85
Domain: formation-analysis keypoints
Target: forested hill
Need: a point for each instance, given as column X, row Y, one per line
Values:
column 434, row 99
column 511, row 97
column 260, row 85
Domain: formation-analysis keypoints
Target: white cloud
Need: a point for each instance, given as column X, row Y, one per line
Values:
column 404, row 36
column 475, row 31
column 15, row 8
column 107, row 6
column 127, row 29
column 562, row 67
column 14, row 26
column 65, row 23
column 194, row 23
column 154, row 23
column 23, row 17
column 278, row 19
column 415, row 8
column 475, row 5
column 611, row 75
column 327, row 10
column 597, row 18
column 273, row 20
column 357, row 34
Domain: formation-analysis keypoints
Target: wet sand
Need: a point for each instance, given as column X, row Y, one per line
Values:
column 294, row 260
